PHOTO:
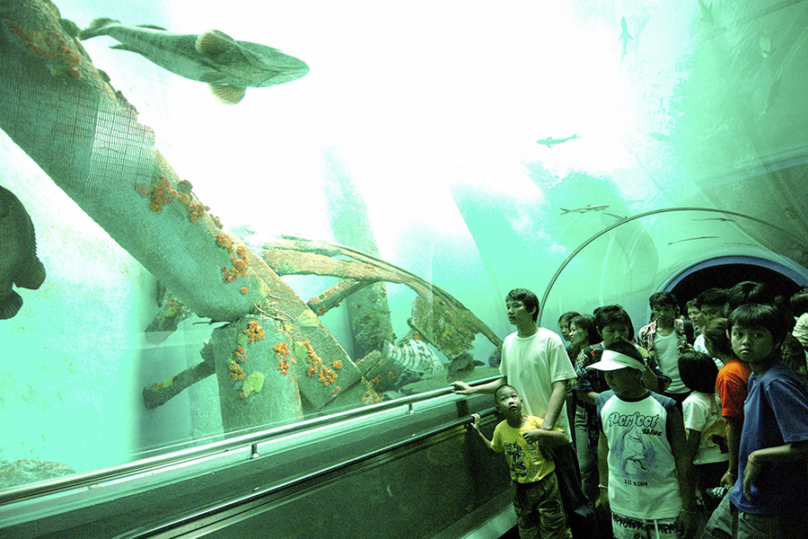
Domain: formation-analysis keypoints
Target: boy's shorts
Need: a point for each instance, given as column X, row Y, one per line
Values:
column 539, row 512
column 624, row 527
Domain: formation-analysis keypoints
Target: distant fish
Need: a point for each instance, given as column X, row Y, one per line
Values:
column 661, row 137
column 18, row 262
column 414, row 355
column 706, row 12
column 625, row 36
column 586, row 209
column 715, row 219
column 228, row 66
column 765, row 42
column 549, row 141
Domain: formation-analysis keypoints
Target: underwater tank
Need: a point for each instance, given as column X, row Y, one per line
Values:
column 285, row 227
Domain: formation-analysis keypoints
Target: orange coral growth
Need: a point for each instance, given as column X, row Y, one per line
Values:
column 281, row 349
column 242, row 395
column 327, row 376
column 255, row 332
column 47, row 46
column 160, row 194
column 371, row 397
column 240, row 354
column 315, row 361
column 224, row 241
column 244, row 290
column 240, row 264
column 185, row 186
column 375, row 380
column 336, row 390
column 195, row 212
column 337, row 364
column 216, row 221
column 283, row 366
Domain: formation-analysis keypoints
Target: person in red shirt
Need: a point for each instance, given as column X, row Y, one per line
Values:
column 732, row 386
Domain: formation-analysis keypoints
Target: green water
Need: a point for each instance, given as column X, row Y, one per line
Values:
column 413, row 139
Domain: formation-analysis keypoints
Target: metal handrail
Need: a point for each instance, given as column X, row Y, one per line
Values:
column 87, row 479
column 190, row 517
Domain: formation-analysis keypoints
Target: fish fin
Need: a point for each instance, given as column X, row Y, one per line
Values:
column 213, row 77
column 123, row 47
column 214, row 43
column 227, row 93
column 31, row 275
column 10, row 305
column 97, row 28
column 151, row 27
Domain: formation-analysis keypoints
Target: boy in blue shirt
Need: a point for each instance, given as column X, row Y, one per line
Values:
column 770, row 498
column 537, row 500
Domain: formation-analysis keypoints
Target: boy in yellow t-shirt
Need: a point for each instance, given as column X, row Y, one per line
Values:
column 537, row 500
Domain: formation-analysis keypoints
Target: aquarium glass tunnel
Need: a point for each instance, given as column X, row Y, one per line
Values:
column 231, row 229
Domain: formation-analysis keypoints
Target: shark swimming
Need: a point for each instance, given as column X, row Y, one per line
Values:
column 586, row 209
column 228, row 66
column 625, row 36
column 549, row 141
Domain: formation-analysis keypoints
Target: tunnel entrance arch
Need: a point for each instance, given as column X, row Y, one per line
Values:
column 724, row 272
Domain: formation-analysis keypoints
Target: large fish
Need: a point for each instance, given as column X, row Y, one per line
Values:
column 228, row 66
column 414, row 355
column 18, row 262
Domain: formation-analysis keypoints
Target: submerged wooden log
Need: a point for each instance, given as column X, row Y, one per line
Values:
column 258, row 384
column 368, row 310
column 447, row 323
column 68, row 118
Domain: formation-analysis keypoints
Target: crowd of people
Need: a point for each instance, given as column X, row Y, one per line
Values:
column 700, row 417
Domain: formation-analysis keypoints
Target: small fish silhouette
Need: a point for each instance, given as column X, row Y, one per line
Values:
column 625, row 36
column 19, row 264
column 228, row 66
column 586, row 209
column 549, row 141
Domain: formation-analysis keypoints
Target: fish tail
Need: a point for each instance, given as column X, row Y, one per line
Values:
column 10, row 305
column 98, row 27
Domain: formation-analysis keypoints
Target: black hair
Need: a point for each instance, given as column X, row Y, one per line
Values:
column 692, row 303
column 663, row 299
column 586, row 322
column 567, row 317
column 754, row 315
column 622, row 346
column 799, row 303
column 698, row 371
column 500, row 388
column 750, row 292
column 613, row 314
column 716, row 333
column 712, row 296
column 528, row 299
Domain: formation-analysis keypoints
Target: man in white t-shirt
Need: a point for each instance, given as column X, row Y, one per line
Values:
column 535, row 362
